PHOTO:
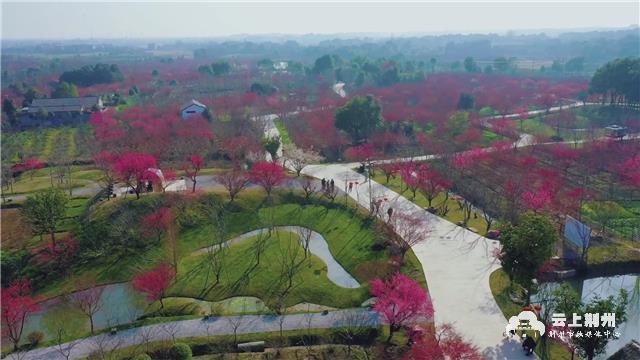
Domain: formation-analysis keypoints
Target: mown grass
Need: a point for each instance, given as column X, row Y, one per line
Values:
column 455, row 214
column 284, row 134
column 42, row 179
column 347, row 232
column 242, row 275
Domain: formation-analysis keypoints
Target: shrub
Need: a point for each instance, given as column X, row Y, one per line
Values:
column 180, row 351
column 141, row 357
column 35, row 338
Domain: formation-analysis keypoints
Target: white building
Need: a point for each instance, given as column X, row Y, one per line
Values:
column 193, row 107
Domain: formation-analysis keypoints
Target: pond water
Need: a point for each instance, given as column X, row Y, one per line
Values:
column 607, row 286
column 120, row 304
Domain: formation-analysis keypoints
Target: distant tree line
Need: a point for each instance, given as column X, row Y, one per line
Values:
column 93, row 74
column 618, row 81
column 217, row 68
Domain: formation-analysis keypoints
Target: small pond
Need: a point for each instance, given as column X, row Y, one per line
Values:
column 120, row 304
column 610, row 286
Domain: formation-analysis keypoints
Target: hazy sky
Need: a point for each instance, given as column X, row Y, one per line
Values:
column 199, row 19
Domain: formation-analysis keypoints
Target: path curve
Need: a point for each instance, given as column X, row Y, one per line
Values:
column 318, row 246
column 456, row 262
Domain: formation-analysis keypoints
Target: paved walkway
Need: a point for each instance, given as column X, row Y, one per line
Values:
column 456, row 262
column 317, row 246
column 246, row 324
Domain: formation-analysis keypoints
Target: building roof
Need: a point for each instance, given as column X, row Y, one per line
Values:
column 193, row 102
column 64, row 104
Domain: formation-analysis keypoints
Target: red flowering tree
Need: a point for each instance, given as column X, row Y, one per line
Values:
column 234, row 181
column 133, row 170
column 400, row 301
column 629, row 171
column 443, row 343
column 31, row 164
column 195, row 165
column 389, row 170
column 430, row 183
column 157, row 223
column 360, row 153
column 537, row 200
column 17, row 303
column 155, row 282
column 268, row 175
column 408, row 175
column 59, row 254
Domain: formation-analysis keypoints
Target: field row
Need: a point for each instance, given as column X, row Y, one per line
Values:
column 50, row 144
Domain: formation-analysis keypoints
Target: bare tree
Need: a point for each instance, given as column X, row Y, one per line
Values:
column 145, row 335
column 308, row 187
column 87, row 298
column 104, row 347
column 64, row 348
column 353, row 325
column 237, row 321
column 259, row 245
column 331, row 193
column 217, row 250
column 171, row 329
column 404, row 231
column 234, row 181
column 215, row 257
column 305, row 238
column 290, row 262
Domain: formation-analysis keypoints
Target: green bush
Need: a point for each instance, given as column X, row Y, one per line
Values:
column 35, row 338
column 141, row 357
column 180, row 351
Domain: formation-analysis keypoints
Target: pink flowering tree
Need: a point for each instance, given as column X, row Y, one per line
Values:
column 17, row 304
column 155, row 282
column 400, row 301
column 195, row 165
column 360, row 153
column 268, row 175
column 409, row 178
column 133, row 169
column 442, row 343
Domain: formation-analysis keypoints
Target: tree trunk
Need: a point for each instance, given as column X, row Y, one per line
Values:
column 391, row 332
column 91, row 322
column 53, row 238
column 193, row 189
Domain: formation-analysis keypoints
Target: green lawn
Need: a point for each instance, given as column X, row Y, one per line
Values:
column 347, row 232
column 536, row 126
column 499, row 283
column 454, row 215
column 47, row 144
column 41, row 179
column 284, row 134
column 241, row 275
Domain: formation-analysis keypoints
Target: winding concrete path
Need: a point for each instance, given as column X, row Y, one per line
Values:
column 456, row 262
column 318, row 246
column 245, row 324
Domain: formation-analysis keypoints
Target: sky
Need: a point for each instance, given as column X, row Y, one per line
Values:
column 87, row 19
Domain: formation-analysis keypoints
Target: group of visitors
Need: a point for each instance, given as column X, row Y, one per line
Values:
column 328, row 185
